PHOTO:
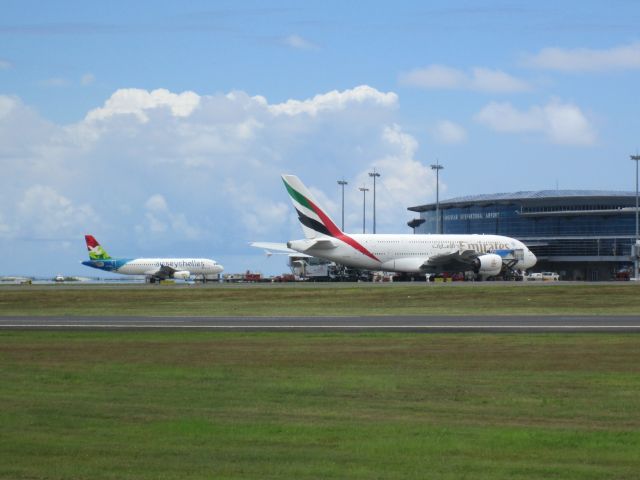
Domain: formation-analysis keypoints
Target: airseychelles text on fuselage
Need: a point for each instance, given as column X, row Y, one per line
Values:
column 140, row 266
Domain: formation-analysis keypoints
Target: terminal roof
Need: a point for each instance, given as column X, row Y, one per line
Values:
column 526, row 196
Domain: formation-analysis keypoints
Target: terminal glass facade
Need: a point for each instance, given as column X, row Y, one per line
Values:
column 578, row 232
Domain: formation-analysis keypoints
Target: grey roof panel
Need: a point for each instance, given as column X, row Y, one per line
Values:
column 527, row 195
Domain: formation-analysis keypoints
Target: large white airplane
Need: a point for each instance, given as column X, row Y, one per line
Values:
column 486, row 255
column 152, row 268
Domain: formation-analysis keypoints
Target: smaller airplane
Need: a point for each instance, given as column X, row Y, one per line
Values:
column 154, row 269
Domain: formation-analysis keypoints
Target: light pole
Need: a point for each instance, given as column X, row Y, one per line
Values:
column 364, row 191
column 437, row 167
column 374, row 174
column 634, row 249
column 342, row 183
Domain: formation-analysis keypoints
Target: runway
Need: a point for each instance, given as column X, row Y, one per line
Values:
column 497, row 324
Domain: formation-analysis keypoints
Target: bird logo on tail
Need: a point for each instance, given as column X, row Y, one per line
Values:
column 96, row 252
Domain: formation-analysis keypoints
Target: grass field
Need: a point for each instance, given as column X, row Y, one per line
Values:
column 125, row 405
column 354, row 299
column 305, row 406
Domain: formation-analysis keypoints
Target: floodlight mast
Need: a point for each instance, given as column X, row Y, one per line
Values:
column 342, row 183
column 374, row 174
column 437, row 167
column 364, row 191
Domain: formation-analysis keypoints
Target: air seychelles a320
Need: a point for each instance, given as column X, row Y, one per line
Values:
column 153, row 269
column 486, row 255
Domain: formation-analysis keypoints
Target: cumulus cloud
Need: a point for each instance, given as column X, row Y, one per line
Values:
column 24, row 138
column 156, row 204
column 586, row 59
column 171, row 170
column 404, row 182
column 446, row 131
column 160, row 220
column 5, row 229
column 336, row 100
column 138, row 102
column 488, row 80
column 562, row 123
column 7, row 104
column 258, row 215
column 45, row 213
column 478, row 79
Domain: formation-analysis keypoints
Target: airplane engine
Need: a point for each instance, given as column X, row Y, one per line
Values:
column 182, row 274
column 488, row 265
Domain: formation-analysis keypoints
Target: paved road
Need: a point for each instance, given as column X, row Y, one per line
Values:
column 619, row 324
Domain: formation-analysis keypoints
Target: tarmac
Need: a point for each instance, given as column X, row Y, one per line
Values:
column 423, row 324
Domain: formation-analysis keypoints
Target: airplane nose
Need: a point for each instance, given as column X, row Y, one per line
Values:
column 532, row 259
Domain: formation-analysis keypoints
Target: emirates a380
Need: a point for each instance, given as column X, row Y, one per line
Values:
column 152, row 268
column 486, row 255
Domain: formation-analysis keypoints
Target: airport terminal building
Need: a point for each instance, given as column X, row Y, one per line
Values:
column 581, row 234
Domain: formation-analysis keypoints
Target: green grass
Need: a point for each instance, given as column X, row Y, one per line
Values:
column 306, row 406
column 407, row 299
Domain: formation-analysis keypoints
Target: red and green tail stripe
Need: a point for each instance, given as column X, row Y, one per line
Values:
column 326, row 226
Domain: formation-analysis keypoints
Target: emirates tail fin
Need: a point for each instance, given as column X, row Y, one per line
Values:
column 314, row 221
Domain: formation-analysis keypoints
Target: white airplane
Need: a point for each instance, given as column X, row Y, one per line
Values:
column 153, row 268
column 486, row 255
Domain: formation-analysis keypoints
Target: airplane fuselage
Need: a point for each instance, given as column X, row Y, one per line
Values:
column 407, row 252
column 148, row 266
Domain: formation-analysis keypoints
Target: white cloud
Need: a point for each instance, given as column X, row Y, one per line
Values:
column 45, row 213
column 479, row 79
column 258, row 215
column 299, row 43
column 335, row 100
column 446, row 131
column 486, row 80
column 404, row 182
column 585, row 59
column 5, row 64
column 156, row 203
column 434, row 76
column 187, row 176
column 7, row 104
column 5, row 229
column 562, row 123
column 160, row 220
column 138, row 102
column 87, row 79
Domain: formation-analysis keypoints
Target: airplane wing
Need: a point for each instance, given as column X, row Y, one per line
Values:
column 278, row 248
column 161, row 273
column 450, row 261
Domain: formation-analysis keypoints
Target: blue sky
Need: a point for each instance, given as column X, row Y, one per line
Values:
column 162, row 127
